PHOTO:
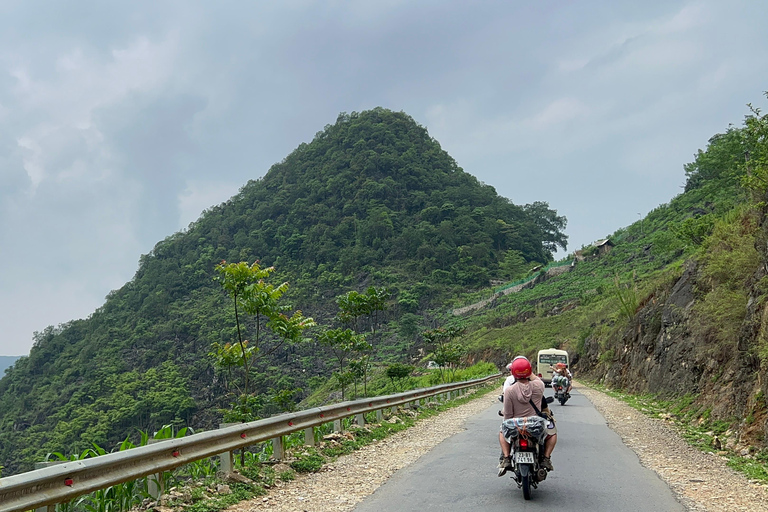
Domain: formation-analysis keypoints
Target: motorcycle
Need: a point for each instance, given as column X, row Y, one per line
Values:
column 526, row 438
column 560, row 386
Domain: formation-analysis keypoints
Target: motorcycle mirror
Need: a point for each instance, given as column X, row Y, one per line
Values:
column 550, row 399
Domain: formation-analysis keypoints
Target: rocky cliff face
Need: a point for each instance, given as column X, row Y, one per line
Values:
column 659, row 352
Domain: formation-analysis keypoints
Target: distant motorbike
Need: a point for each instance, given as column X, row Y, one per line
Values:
column 559, row 386
column 526, row 437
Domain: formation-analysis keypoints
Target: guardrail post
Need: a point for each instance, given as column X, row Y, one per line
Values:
column 360, row 420
column 41, row 465
column 379, row 415
column 338, row 426
column 278, row 451
column 309, row 436
column 226, row 459
column 155, row 482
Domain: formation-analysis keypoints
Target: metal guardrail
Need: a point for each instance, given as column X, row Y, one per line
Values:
column 64, row 482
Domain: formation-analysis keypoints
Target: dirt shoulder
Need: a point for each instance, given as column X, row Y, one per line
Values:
column 702, row 481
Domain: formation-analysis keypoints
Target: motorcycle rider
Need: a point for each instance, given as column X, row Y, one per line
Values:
column 517, row 404
column 561, row 372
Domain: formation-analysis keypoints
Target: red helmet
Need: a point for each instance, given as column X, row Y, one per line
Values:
column 509, row 366
column 521, row 368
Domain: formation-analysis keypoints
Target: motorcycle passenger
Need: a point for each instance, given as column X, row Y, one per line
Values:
column 562, row 375
column 517, row 404
column 511, row 379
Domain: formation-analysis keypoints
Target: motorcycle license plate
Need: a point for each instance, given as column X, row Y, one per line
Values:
column 524, row 458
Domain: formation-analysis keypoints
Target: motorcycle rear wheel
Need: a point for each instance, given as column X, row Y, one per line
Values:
column 526, row 486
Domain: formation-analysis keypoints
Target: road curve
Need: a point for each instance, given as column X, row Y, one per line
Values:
column 594, row 471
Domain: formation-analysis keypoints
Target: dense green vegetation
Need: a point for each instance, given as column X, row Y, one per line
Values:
column 372, row 201
column 6, row 362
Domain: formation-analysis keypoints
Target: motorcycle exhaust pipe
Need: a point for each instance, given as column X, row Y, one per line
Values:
column 541, row 474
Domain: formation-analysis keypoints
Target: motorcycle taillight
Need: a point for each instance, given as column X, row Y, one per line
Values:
column 523, row 444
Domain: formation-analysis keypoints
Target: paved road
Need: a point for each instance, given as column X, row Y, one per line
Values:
column 594, row 472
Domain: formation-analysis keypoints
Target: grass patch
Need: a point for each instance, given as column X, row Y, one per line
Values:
column 205, row 503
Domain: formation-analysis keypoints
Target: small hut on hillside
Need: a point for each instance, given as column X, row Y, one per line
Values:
column 597, row 249
column 604, row 246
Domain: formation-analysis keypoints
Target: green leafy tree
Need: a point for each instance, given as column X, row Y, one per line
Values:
column 285, row 399
column 397, row 373
column 756, row 154
column 549, row 226
column 252, row 294
column 342, row 344
column 353, row 308
column 447, row 350
column 514, row 265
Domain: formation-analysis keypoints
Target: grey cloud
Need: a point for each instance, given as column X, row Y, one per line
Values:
column 138, row 112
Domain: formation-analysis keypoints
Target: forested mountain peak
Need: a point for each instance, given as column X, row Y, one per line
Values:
column 372, row 199
column 376, row 183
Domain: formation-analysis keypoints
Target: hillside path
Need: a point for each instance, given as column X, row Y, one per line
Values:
column 700, row 481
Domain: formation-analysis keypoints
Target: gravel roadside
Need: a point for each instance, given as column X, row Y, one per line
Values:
column 701, row 481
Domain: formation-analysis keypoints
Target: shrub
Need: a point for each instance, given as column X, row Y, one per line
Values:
column 310, row 463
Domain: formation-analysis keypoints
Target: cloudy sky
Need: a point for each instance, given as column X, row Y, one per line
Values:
column 121, row 121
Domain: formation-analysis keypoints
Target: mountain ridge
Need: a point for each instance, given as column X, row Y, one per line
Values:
column 372, row 200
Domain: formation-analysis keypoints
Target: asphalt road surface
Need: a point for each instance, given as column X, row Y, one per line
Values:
column 594, row 471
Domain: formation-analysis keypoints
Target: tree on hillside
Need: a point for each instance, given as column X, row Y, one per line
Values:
column 447, row 350
column 354, row 308
column 550, row 226
column 756, row 154
column 251, row 293
column 724, row 156
column 343, row 343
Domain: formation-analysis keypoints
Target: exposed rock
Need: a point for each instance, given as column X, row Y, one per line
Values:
column 282, row 468
column 663, row 353
column 235, row 477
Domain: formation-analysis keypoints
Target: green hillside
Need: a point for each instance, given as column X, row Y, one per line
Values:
column 372, row 201
column 676, row 309
column 588, row 300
